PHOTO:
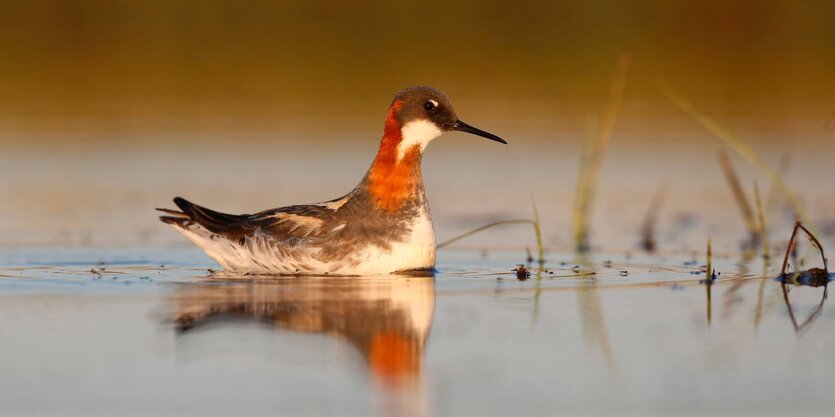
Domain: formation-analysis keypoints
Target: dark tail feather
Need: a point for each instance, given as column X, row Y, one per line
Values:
column 212, row 220
column 174, row 213
column 179, row 221
column 174, row 217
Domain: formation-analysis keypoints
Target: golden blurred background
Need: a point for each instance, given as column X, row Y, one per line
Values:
column 110, row 108
column 89, row 68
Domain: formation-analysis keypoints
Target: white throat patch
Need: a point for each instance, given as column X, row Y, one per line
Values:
column 417, row 132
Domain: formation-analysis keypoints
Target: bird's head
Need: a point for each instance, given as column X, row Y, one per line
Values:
column 420, row 114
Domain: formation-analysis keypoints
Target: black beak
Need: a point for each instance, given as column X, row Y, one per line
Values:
column 463, row 127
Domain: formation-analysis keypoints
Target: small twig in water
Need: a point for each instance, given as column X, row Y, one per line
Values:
column 815, row 241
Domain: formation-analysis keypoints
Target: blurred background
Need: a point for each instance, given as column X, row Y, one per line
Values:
column 110, row 108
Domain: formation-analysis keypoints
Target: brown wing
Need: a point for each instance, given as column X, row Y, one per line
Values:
column 281, row 223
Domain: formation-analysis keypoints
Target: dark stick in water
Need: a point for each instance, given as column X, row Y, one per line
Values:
column 815, row 241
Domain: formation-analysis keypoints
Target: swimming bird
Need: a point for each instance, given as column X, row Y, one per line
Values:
column 382, row 226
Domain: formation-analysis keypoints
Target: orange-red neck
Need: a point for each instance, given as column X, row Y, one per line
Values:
column 393, row 181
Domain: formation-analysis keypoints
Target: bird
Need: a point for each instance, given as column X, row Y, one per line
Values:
column 383, row 226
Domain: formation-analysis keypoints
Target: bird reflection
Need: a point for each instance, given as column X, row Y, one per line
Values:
column 814, row 277
column 386, row 319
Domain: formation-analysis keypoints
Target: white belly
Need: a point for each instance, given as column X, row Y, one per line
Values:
column 416, row 251
column 261, row 255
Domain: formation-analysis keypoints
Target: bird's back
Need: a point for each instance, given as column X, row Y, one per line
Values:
column 346, row 236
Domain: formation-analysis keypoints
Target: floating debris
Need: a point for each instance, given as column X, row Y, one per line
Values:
column 815, row 277
column 791, row 247
column 522, row 273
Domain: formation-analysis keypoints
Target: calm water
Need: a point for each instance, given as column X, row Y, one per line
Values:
column 154, row 332
column 105, row 311
column 109, row 109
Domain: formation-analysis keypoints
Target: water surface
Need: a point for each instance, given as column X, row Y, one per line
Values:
column 138, row 332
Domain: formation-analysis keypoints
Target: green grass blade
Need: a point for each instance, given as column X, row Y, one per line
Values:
column 482, row 228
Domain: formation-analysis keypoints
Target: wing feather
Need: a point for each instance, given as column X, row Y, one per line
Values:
column 285, row 224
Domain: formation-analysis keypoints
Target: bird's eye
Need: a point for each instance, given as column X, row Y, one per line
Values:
column 429, row 105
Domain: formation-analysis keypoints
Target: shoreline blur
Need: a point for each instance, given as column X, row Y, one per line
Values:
column 73, row 68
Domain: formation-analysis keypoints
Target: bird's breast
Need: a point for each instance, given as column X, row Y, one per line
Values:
column 414, row 249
